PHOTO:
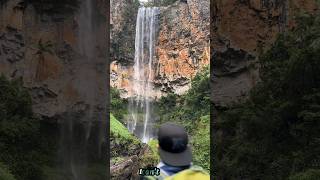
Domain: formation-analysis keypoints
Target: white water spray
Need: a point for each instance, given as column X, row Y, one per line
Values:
column 140, row 106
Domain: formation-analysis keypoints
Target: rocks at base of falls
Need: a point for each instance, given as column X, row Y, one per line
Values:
column 124, row 170
column 131, row 159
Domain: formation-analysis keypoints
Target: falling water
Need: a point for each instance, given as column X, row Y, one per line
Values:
column 140, row 105
column 82, row 130
column 86, row 36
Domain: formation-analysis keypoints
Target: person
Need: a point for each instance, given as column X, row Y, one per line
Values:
column 176, row 155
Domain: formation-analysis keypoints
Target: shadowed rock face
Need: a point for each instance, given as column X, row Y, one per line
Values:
column 240, row 30
column 233, row 76
column 66, row 86
column 45, row 53
column 123, row 15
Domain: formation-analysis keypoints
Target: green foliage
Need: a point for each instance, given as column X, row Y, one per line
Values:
column 151, row 158
column 201, row 143
column 19, row 131
column 117, row 160
column 121, row 139
column 197, row 99
column 153, row 144
column 118, row 106
column 187, row 109
column 119, row 129
column 311, row 174
column 276, row 132
column 123, row 144
column 192, row 111
column 5, row 173
column 148, row 160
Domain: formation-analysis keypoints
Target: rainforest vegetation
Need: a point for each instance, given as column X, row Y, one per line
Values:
column 275, row 133
column 24, row 144
column 191, row 110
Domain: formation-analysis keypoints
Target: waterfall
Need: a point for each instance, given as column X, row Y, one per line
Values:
column 82, row 129
column 86, row 37
column 140, row 104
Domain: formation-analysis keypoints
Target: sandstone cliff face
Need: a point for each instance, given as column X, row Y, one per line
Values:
column 241, row 29
column 183, row 44
column 43, row 50
column 182, row 49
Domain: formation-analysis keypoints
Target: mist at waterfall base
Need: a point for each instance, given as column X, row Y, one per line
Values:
column 82, row 137
column 140, row 119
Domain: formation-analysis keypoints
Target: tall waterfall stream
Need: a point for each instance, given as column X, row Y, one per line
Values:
column 82, row 133
column 140, row 106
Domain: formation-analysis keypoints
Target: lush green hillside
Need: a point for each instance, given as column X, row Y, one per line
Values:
column 118, row 106
column 125, row 146
column 276, row 133
column 119, row 131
